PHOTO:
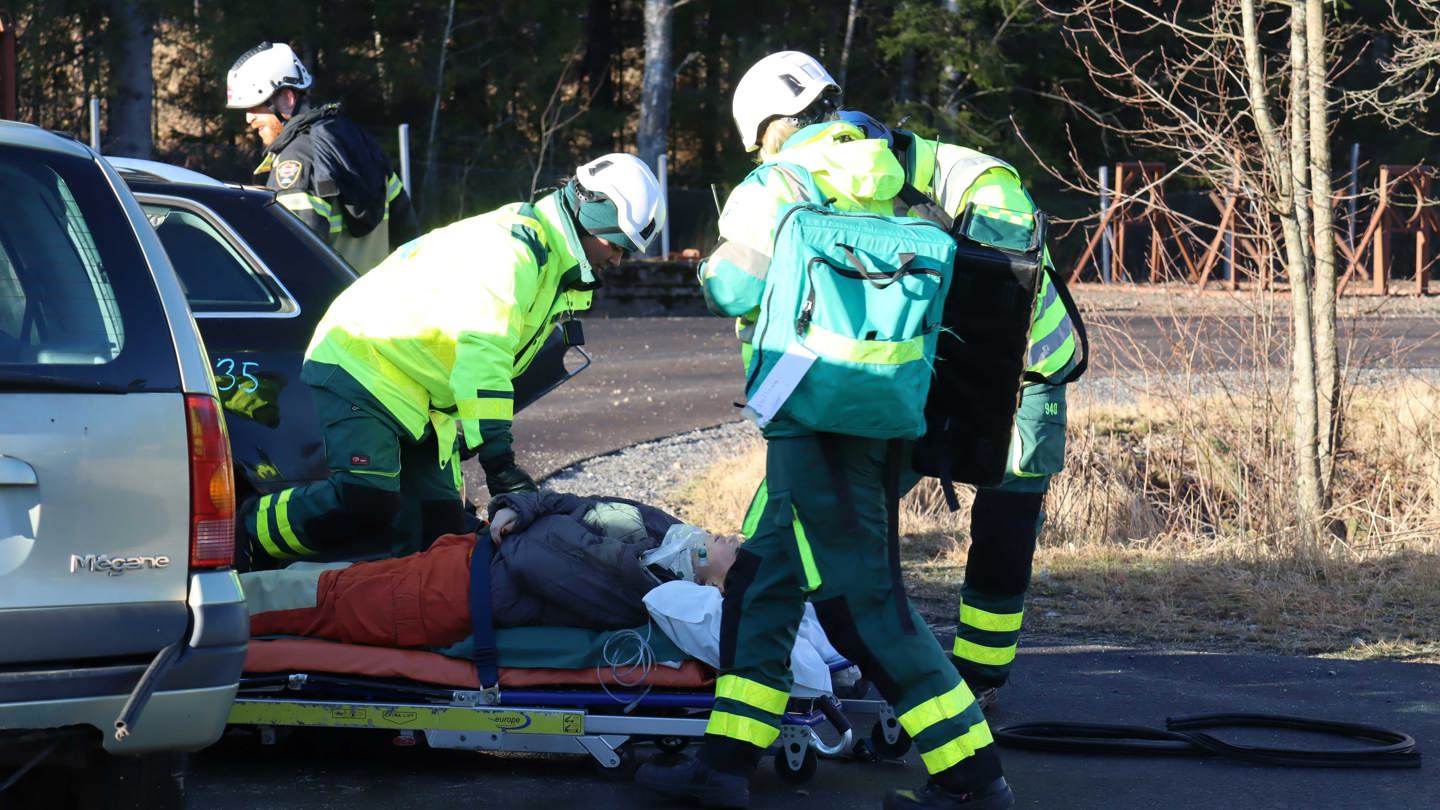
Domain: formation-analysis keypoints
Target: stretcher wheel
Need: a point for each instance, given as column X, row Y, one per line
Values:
column 625, row 771
column 671, row 745
column 882, row 747
column 806, row 769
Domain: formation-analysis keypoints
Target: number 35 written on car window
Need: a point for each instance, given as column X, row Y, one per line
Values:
column 227, row 380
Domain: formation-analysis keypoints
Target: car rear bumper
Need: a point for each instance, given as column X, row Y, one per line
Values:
column 191, row 700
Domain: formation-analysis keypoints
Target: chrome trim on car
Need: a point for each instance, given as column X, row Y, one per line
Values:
column 289, row 307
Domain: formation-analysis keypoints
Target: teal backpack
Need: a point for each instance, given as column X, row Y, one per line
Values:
column 864, row 294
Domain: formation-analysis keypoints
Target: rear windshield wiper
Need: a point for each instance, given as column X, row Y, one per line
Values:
column 20, row 381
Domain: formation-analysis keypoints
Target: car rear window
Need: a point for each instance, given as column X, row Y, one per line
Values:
column 78, row 305
column 215, row 276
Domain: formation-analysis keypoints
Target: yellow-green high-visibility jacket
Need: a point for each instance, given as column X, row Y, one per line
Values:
column 953, row 176
column 438, row 330
column 860, row 174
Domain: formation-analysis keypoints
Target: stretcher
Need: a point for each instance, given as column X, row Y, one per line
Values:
column 602, row 711
column 532, row 689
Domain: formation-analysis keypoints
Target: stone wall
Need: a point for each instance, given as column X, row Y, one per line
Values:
column 650, row 287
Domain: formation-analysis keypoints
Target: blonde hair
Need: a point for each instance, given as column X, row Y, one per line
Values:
column 777, row 132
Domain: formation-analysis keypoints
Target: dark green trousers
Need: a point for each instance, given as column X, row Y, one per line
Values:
column 387, row 492
column 811, row 536
column 1004, row 523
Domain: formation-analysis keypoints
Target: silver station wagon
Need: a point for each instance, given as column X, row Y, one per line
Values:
column 122, row 627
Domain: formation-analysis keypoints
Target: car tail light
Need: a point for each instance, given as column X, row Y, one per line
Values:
column 212, row 485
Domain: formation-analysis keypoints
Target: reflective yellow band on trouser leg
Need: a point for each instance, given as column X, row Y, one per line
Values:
column 980, row 654
column 807, row 557
column 947, row 728
column 767, row 699
column 751, row 524
column 262, row 529
column 937, row 709
column 282, row 522
column 957, row 749
column 745, row 729
column 985, row 620
column 281, row 506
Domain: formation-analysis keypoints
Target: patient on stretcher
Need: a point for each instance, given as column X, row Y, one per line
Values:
column 557, row 560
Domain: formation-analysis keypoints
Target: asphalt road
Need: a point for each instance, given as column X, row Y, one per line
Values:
column 1074, row 684
column 656, row 377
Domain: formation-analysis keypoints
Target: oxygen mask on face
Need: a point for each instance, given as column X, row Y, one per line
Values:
column 674, row 553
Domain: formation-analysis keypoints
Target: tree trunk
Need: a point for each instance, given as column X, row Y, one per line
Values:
column 599, row 51
column 657, row 82
column 1277, row 158
column 132, row 102
column 905, row 83
column 1327, row 355
column 849, row 38
column 1300, row 126
column 715, row 107
column 428, row 186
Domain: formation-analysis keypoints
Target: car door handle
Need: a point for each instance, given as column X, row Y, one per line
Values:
column 16, row 473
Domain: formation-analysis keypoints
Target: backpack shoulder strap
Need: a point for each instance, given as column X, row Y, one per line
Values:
column 1073, row 312
column 799, row 180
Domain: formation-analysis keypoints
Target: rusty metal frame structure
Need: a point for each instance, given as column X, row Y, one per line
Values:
column 1386, row 221
column 1144, row 204
column 9, row 108
column 1138, row 199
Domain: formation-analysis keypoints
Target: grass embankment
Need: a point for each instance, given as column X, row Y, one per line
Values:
column 1171, row 524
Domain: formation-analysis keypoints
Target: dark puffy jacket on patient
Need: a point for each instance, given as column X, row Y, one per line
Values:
column 568, row 561
column 573, row 561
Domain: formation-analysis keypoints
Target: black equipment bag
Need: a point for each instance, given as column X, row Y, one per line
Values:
column 981, row 357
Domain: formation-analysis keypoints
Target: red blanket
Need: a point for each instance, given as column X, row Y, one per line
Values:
column 287, row 655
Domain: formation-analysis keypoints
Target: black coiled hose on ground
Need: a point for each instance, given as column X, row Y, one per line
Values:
column 1182, row 736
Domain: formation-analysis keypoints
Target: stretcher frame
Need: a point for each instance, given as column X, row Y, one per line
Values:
column 560, row 721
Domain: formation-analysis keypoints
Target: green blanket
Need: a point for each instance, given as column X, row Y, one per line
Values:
column 571, row 647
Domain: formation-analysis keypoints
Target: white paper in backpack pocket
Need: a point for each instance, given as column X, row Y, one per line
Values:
column 779, row 384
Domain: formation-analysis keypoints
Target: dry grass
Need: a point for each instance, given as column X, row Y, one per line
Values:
column 1171, row 524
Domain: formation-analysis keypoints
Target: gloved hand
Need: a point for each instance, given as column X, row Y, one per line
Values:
column 503, row 475
column 502, row 524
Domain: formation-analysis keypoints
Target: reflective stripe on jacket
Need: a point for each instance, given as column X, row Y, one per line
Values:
column 438, row 331
column 954, row 176
column 337, row 180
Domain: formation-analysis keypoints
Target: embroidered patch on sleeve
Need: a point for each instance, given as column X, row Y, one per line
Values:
column 286, row 173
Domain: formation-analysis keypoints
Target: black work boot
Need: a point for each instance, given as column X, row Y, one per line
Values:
column 694, row 780
column 995, row 796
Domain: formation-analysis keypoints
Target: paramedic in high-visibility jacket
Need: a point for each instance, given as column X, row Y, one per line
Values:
column 430, row 340
column 324, row 168
column 1005, row 519
column 817, row 529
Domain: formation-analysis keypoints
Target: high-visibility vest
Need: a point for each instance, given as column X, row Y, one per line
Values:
column 954, row 176
column 438, row 330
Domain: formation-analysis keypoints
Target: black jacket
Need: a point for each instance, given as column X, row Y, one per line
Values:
column 336, row 178
column 573, row 561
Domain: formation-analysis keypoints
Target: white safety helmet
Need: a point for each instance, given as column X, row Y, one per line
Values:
column 781, row 84
column 262, row 70
column 620, row 201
